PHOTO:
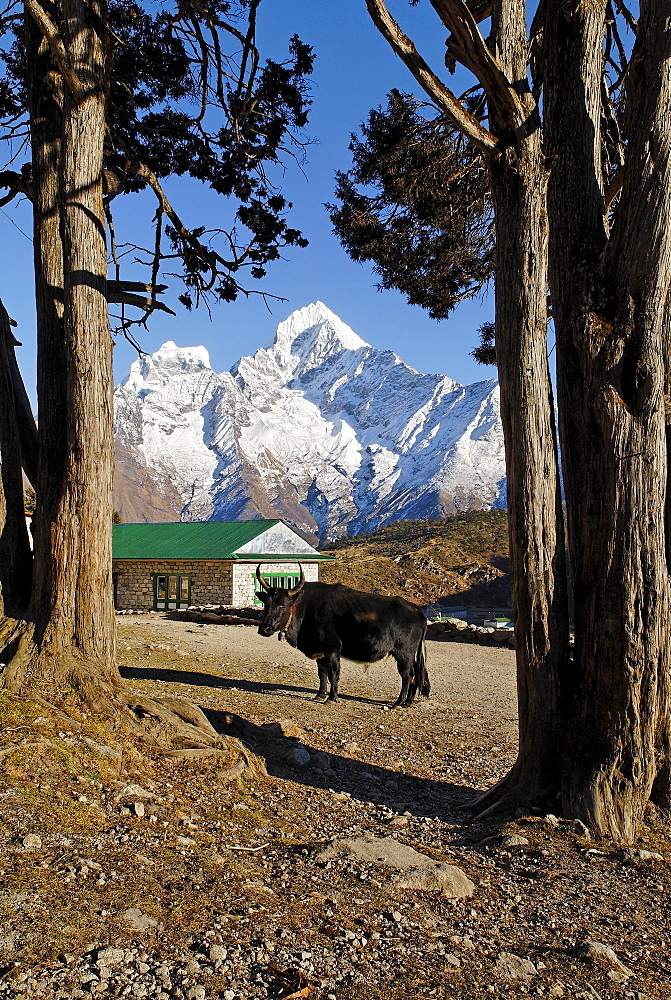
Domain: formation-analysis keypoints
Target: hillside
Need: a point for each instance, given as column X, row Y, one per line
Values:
column 458, row 560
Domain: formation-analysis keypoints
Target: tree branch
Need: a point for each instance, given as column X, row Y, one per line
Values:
column 475, row 56
column 428, row 80
column 18, row 183
column 58, row 50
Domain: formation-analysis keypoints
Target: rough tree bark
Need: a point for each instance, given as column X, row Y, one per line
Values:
column 519, row 182
column 72, row 612
column 609, row 294
column 519, row 179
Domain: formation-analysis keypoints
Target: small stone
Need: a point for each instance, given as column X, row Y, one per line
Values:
column 196, row 993
column 138, row 920
column 514, row 967
column 32, row 842
column 618, row 977
column 299, row 756
column 513, row 840
column 185, row 841
column 448, row 880
column 398, row 821
column 218, row 953
column 138, row 809
column 133, row 792
column 604, row 955
column 551, row 820
column 581, row 830
column 110, row 956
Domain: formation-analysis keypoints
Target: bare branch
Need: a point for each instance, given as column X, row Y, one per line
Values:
column 632, row 23
column 475, row 56
column 147, row 303
column 428, row 80
column 117, row 287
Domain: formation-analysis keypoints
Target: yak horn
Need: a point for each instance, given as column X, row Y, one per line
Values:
column 299, row 586
column 260, row 578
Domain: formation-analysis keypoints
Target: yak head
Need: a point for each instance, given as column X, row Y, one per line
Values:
column 279, row 602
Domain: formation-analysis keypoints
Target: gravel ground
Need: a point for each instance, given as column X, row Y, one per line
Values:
column 142, row 876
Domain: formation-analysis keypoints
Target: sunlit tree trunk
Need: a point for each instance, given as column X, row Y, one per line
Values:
column 519, row 186
column 609, row 294
column 72, row 595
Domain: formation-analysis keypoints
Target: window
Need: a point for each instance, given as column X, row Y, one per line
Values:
column 171, row 591
column 276, row 580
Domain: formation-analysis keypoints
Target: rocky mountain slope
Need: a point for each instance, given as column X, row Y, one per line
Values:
column 454, row 561
column 317, row 427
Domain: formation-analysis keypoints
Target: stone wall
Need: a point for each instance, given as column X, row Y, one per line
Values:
column 211, row 580
column 245, row 583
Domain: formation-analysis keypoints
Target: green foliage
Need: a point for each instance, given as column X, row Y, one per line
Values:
column 190, row 96
column 485, row 352
column 416, row 204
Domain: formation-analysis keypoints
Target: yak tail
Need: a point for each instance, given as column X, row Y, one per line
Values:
column 421, row 674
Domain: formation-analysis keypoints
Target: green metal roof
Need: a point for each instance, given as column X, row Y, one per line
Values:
column 194, row 540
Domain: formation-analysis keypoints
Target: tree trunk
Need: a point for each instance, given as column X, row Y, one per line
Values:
column 15, row 554
column 72, row 594
column 519, row 184
column 609, row 300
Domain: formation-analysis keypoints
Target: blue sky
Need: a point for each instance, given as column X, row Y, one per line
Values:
column 354, row 70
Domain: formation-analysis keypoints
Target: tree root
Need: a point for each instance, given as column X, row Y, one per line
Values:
column 510, row 793
column 12, row 630
column 172, row 725
column 186, row 722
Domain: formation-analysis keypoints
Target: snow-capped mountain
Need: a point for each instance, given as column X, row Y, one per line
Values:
column 318, row 427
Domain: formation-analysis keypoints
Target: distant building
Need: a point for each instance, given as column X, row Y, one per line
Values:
column 162, row 567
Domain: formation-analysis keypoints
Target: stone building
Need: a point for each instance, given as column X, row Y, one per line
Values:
column 161, row 567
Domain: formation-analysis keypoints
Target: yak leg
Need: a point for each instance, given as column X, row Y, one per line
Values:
column 322, row 669
column 408, row 682
column 332, row 662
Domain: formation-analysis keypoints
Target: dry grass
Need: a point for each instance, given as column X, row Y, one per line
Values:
column 463, row 559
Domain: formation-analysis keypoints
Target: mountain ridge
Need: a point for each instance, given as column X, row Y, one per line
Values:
column 317, row 427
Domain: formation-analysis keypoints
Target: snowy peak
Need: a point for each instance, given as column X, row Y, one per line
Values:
column 317, row 427
column 315, row 326
column 304, row 341
column 168, row 362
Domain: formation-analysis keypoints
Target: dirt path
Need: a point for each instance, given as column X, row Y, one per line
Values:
column 466, row 729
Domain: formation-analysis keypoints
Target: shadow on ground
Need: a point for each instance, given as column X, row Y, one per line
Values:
column 198, row 679
column 361, row 780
